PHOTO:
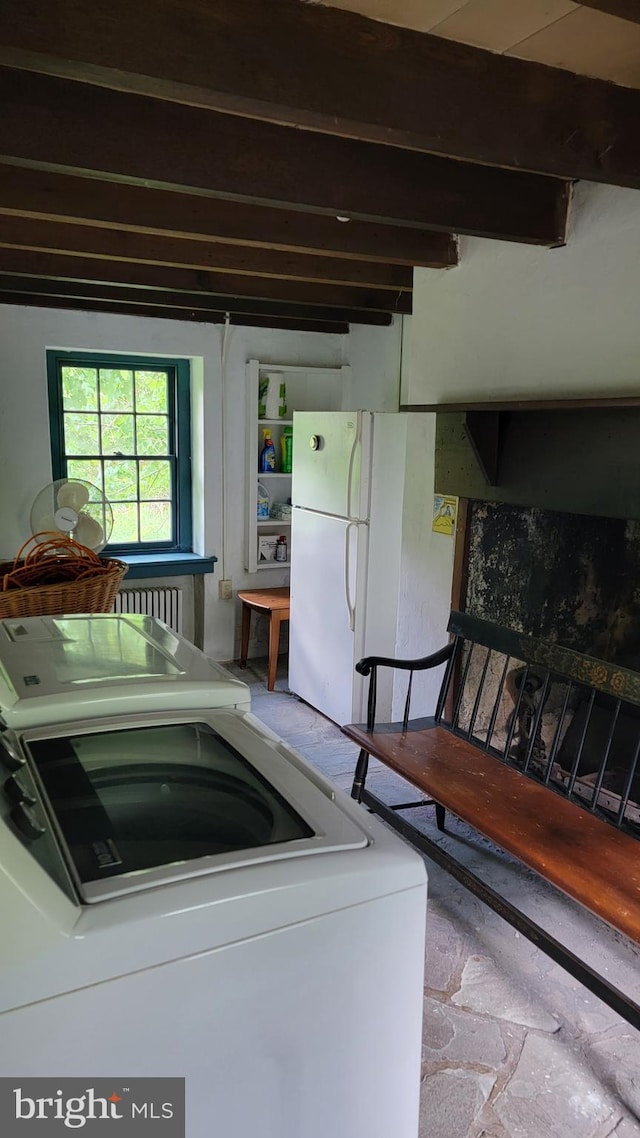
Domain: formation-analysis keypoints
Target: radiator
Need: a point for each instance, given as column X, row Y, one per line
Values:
column 165, row 603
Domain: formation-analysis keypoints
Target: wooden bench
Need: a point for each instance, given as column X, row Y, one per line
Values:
column 536, row 747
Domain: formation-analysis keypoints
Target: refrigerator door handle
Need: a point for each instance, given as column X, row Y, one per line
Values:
column 351, row 607
column 357, row 439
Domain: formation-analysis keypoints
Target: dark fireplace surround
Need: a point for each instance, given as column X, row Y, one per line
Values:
column 553, row 541
column 552, row 550
column 568, row 578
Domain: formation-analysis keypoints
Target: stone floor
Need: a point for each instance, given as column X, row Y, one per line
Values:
column 513, row 1046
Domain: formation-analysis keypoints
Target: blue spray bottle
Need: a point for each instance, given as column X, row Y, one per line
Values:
column 267, row 462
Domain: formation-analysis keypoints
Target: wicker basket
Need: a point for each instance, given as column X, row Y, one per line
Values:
column 87, row 595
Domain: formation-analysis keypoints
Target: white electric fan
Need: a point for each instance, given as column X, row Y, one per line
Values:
column 75, row 508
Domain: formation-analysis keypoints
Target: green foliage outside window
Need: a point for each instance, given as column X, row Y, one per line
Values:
column 118, row 428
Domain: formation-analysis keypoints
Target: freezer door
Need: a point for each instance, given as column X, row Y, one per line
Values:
column 330, row 453
column 327, row 615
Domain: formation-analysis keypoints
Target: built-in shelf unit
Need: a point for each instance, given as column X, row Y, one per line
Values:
column 307, row 389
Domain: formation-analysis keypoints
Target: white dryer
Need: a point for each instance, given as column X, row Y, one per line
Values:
column 55, row 668
column 183, row 895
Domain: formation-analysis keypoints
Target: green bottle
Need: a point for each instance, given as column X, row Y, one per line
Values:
column 286, row 447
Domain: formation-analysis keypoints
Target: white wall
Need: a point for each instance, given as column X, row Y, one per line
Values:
column 218, row 412
column 425, row 572
column 517, row 320
column 375, row 357
column 513, row 320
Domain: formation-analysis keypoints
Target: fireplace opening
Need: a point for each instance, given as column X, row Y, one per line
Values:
column 571, row 738
column 574, row 582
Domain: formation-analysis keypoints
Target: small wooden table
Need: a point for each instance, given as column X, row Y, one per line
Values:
column 275, row 602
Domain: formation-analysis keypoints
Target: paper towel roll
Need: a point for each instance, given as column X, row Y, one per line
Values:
column 275, row 381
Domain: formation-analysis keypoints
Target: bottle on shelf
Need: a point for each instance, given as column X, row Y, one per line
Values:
column 267, row 462
column 286, row 441
column 264, row 502
column 281, row 548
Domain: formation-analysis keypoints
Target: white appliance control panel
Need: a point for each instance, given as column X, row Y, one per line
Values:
column 24, row 814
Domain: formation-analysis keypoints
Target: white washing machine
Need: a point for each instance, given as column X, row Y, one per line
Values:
column 181, row 894
column 56, row 668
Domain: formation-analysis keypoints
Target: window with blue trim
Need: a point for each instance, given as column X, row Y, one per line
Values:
column 123, row 424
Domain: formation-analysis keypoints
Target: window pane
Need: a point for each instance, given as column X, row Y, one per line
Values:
column 81, row 434
column 152, row 391
column 117, row 420
column 88, row 471
column 117, row 434
column 116, row 390
column 155, row 521
column 120, row 483
column 153, row 434
column 79, row 389
column 125, row 523
column 155, row 479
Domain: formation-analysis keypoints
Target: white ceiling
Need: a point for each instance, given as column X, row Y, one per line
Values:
column 560, row 33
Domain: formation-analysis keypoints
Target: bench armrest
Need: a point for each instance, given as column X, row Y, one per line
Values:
column 365, row 665
column 369, row 665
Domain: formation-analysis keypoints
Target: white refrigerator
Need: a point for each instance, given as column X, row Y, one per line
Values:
column 346, row 539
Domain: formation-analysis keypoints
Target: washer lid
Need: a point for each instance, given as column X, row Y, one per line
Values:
column 139, row 806
column 55, row 668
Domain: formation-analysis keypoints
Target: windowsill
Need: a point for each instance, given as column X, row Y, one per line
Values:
column 142, row 565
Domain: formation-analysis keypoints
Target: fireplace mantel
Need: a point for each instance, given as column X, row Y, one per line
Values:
column 580, row 456
column 585, row 403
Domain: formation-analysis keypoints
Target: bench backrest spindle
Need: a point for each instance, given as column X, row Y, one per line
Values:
column 371, row 701
column 407, row 704
column 476, row 702
column 452, row 669
column 496, row 703
column 605, row 757
column 626, row 794
column 455, row 719
column 580, row 747
column 558, row 733
column 534, row 732
column 515, row 714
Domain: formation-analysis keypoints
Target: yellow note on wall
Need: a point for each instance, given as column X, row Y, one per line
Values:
column 445, row 513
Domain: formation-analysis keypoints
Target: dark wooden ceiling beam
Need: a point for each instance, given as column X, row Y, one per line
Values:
column 85, row 305
column 173, row 252
column 126, row 138
column 335, row 71
column 44, row 194
column 202, row 282
column 123, row 296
